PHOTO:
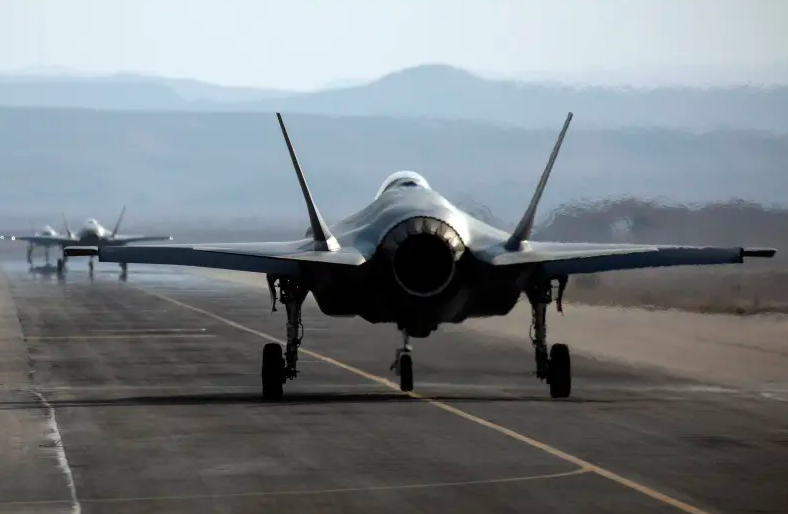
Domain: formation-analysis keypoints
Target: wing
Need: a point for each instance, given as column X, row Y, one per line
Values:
column 572, row 258
column 282, row 259
column 575, row 258
column 42, row 240
column 137, row 239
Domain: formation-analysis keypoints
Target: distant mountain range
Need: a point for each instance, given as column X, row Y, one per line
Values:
column 170, row 166
column 428, row 91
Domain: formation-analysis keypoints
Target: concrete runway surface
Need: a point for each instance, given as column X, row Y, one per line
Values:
column 144, row 396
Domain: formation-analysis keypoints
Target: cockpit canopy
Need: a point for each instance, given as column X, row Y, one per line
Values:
column 403, row 179
column 91, row 222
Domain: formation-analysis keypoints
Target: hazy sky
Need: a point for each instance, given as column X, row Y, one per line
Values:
column 307, row 43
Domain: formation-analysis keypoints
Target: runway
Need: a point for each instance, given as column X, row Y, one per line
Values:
column 144, row 396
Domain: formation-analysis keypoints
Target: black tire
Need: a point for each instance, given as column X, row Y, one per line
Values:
column 60, row 265
column 406, row 373
column 273, row 371
column 560, row 371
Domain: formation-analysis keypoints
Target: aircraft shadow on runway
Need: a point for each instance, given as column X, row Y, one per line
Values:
column 294, row 398
column 51, row 271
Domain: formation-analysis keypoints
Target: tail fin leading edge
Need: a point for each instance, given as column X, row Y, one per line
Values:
column 324, row 240
column 523, row 230
column 117, row 224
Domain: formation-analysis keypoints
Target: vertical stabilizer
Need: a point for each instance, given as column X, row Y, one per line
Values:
column 324, row 240
column 523, row 230
column 117, row 224
column 69, row 233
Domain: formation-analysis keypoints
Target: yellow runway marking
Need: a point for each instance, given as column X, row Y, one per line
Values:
column 583, row 464
column 374, row 488
column 118, row 336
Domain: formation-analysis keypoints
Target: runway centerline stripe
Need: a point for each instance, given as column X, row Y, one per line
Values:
column 583, row 464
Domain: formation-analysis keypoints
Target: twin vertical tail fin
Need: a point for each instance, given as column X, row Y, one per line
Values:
column 69, row 233
column 523, row 230
column 117, row 224
column 324, row 240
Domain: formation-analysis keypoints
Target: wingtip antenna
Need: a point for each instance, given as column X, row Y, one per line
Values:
column 523, row 230
column 324, row 240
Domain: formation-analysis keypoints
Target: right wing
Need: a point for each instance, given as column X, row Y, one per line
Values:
column 281, row 259
column 122, row 240
column 287, row 259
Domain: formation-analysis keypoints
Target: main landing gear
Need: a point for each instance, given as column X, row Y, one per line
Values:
column 403, row 364
column 555, row 367
column 276, row 370
column 61, row 264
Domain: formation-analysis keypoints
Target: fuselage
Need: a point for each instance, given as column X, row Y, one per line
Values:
column 93, row 234
column 420, row 268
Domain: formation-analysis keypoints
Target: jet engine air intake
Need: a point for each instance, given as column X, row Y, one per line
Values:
column 423, row 253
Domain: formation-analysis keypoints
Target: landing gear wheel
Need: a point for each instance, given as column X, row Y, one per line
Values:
column 560, row 371
column 273, row 371
column 405, row 373
column 60, row 264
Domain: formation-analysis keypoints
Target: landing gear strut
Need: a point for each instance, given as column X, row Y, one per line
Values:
column 276, row 370
column 403, row 364
column 61, row 265
column 554, row 367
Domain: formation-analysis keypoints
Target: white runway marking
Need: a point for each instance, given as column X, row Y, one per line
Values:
column 303, row 492
column 776, row 396
column 60, row 452
column 119, row 336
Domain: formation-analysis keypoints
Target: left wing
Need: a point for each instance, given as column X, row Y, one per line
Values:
column 575, row 258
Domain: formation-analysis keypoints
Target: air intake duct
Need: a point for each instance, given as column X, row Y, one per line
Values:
column 423, row 253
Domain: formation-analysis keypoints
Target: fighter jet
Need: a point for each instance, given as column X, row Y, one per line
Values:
column 91, row 234
column 47, row 238
column 411, row 258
